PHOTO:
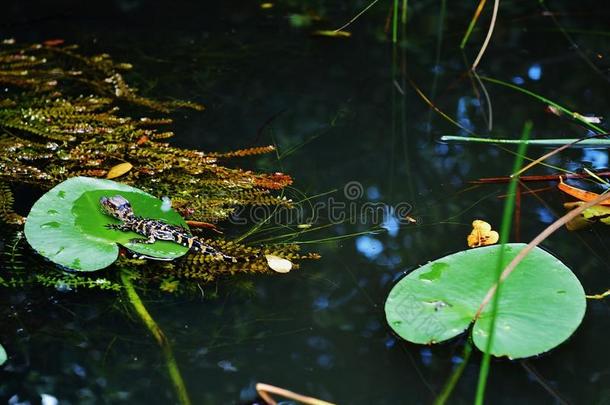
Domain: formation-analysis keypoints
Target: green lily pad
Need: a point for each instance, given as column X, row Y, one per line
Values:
column 541, row 303
column 67, row 225
column 3, row 356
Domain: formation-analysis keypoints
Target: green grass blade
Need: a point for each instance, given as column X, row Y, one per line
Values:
column 347, row 24
column 455, row 376
column 473, row 22
column 395, row 23
column 509, row 207
column 531, row 142
column 157, row 333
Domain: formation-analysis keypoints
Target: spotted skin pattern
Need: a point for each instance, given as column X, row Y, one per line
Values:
column 153, row 229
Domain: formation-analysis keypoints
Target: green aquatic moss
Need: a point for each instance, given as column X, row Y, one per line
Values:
column 61, row 119
column 61, row 116
column 20, row 268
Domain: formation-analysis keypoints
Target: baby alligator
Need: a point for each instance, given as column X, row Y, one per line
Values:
column 153, row 229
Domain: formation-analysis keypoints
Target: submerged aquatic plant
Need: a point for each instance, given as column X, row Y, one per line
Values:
column 49, row 131
column 61, row 117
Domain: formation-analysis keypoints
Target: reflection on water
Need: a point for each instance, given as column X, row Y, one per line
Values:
column 598, row 159
column 535, row 71
column 369, row 246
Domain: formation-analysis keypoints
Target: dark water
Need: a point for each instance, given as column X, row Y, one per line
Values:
column 340, row 111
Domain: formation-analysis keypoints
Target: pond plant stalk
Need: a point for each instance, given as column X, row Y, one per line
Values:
column 490, row 31
column 157, row 332
column 509, row 207
column 551, row 142
column 473, row 22
column 493, row 293
column 535, row 242
column 574, row 115
column 453, row 379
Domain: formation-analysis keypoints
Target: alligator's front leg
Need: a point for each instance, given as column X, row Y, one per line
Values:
column 118, row 227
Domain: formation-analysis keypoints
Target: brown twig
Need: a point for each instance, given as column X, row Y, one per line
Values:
column 543, row 382
column 549, row 177
column 264, row 391
column 529, row 191
column 553, row 152
column 201, row 224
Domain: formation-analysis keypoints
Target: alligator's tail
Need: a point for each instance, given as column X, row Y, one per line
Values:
column 204, row 249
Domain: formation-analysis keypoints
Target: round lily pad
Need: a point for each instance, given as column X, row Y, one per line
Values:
column 3, row 356
column 68, row 226
column 541, row 303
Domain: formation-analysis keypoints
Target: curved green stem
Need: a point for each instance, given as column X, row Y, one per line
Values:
column 574, row 115
column 155, row 330
column 473, row 22
column 507, row 215
column 443, row 397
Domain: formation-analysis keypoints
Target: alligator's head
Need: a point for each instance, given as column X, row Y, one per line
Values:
column 117, row 207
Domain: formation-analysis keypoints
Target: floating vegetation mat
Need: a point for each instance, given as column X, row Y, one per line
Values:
column 61, row 117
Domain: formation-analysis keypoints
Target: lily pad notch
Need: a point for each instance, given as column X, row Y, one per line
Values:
column 541, row 305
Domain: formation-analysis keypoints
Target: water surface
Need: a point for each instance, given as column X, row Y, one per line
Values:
column 343, row 112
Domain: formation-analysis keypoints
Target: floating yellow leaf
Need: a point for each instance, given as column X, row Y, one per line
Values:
column 266, row 6
column 119, row 170
column 278, row 264
column 590, row 216
column 481, row 234
column 332, row 34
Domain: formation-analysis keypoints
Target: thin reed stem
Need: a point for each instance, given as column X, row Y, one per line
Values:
column 157, row 333
column 509, row 207
column 347, row 24
column 492, row 24
column 473, row 22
